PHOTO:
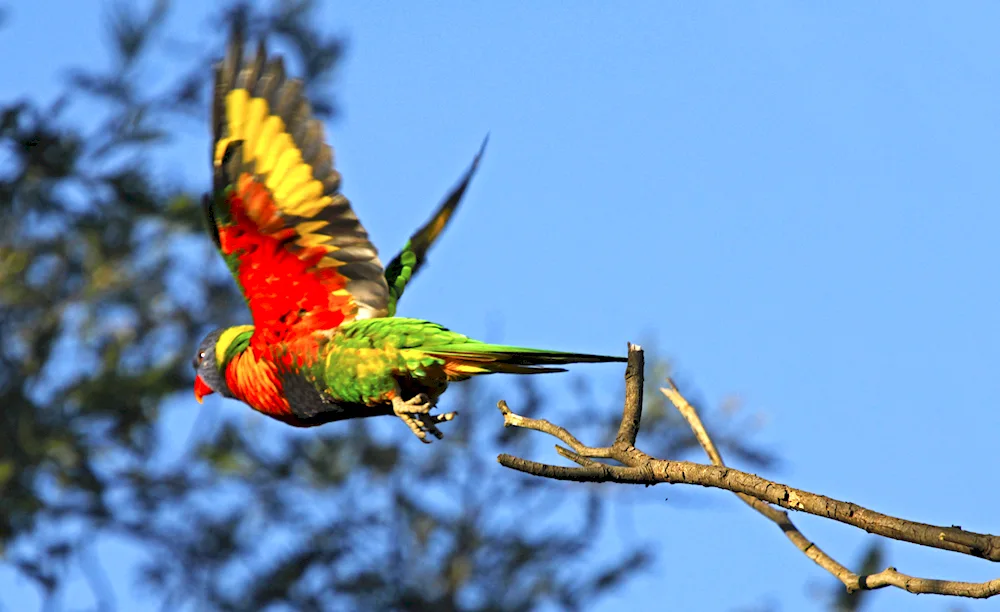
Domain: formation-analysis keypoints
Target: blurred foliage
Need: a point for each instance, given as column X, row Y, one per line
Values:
column 830, row 594
column 107, row 282
column 873, row 560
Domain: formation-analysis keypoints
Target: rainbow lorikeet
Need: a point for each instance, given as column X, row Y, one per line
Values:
column 324, row 344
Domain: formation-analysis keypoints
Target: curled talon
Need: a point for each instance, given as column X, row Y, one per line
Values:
column 415, row 412
column 418, row 404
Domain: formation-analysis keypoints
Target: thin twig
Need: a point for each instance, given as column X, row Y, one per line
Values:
column 779, row 517
column 634, row 373
column 890, row 577
column 510, row 419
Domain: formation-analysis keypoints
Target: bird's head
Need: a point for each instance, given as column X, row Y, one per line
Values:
column 214, row 354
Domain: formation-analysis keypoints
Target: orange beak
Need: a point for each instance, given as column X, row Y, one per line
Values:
column 201, row 389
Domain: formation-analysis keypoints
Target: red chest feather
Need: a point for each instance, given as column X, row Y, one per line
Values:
column 255, row 380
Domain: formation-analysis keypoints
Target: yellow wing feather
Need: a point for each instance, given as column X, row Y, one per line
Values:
column 282, row 150
column 272, row 153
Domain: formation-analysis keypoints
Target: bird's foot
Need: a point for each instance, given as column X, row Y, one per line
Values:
column 416, row 413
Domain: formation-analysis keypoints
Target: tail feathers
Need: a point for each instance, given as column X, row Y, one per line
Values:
column 461, row 362
column 408, row 262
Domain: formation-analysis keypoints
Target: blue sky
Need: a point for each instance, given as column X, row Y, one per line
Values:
column 796, row 200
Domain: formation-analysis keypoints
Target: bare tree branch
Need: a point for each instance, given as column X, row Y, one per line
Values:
column 637, row 467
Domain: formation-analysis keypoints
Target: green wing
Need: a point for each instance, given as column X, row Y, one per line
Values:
column 405, row 266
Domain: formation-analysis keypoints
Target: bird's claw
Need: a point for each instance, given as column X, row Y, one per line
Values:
column 416, row 413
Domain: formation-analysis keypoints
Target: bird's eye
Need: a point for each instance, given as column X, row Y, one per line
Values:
column 196, row 362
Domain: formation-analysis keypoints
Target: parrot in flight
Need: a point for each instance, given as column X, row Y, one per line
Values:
column 325, row 344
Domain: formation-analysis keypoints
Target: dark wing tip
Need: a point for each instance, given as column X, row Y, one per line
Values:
column 210, row 223
column 426, row 235
column 261, row 51
column 398, row 273
column 228, row 171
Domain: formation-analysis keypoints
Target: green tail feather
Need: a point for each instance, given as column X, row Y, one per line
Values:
column 477, row 358
column 408, row 262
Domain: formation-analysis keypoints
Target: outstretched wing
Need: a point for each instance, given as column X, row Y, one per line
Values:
column 290, row 238
column 408, row 262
